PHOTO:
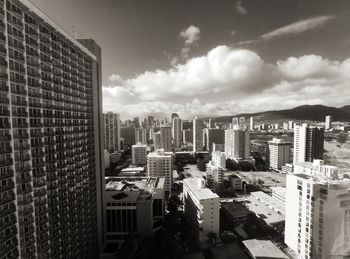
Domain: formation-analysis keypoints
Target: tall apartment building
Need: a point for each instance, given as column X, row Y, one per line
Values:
column 187, row 136
column 51, row 138
column 165, row 138
column 141, row 135
column 215, row 171
column 160, row 164
column 112, row 131
column 202, row 207
column 279, row 153
column 129, row 136
column 251, row 123
column 150, row 121
column 328, row 122
column 317, row 216
column 211, row 124
column 308, row 143
column 156, row 140
column 197, row 135
column 177, row 132
column 237, row 144
column 139, row 154
column 211, row 136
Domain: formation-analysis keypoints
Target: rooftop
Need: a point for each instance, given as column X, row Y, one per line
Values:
column 264, row 249
column 130, row 184
column 228, row 251
column 198, row 188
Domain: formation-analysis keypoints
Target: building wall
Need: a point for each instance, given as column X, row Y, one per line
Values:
column 197, row 135
column 51, row 137
column 139, row 154
column 129, row 135
column 165, row 138
column 237, row 144
column 279, row 153
column 111, row 131
column 177, row 132
column 160, row 165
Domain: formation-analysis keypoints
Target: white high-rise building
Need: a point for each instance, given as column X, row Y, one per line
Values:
column 237, row 144
column 177, row 132
column 251, row 123
column 279, row 153
column 165, row 138
column 291, row 125
column 219, row 159
column 328, row 122
column 139, row 154
column 211, row 124
column 308, row 143
column 141, row 135
column 235, row 122
column 160, row 164
column 202, row 207
column 197, row 135
column 317, row 222
column 112, row 131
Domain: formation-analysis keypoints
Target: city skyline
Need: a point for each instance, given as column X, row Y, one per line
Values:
column 253, row 56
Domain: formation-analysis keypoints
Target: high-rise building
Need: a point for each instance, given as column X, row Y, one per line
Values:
column 317, row 215
column 237, row 144
column 308, row 143
column 279, row 153
column 202, row 207
column 150, row 121
column 211, row 124
column 291, row 125
column 211, row 136
column 197, row 135
column 136, row 122
column 187, row 136
column 139, row 154
column 165, row 138
column 128, row 134
column 251, row 123
column 328, row 122
column 156, row 140
column 177, row 132
column 235, row 122
column 160, row 164
column 242, row 122
column 141, row 135
column 51, row 138
column 112, row 131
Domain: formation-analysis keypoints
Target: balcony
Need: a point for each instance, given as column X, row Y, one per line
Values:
column 21, row 136
column 6, row 162
column 5, row 150
column 8, row 186
column 6, row 174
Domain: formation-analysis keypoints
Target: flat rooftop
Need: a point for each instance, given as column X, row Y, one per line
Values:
column 130, row 184
column 270, row 201
column 201, row 192
column 133, row 169
column 229, row 251
column 264, row 249
column 261, row 210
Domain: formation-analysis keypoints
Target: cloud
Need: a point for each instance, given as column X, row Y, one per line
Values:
column 297, row 27
column 291, row 29
column 191, row 36
column 240, row 8
column 227, row 81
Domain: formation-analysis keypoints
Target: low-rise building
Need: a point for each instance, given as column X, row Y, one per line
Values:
column 133, row 204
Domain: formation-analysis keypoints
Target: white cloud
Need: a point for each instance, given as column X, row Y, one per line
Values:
column 297, row 27
column 234, row 80
column 291, row 29
column 240, row 8
column 191, row 35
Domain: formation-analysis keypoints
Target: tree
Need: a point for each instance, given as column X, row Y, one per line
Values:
column 231, row 165
column 342, row 137
column 173, row 204
column 212, row 237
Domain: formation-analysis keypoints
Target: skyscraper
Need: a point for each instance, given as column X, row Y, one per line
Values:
column 128, row 134
column 211, row 136
column 251, row 123
column 51, row 132
column 177, row 132
column 141, row 135
column 308, row 143
column 211, row 123
column 156, row 140
column 165, row 138
column 237, row 144
column 112, row 131
column 197, row 135
column 279, row 153
column 318, row 214
column 328, row 122
column 150, row 121
column 139, row 154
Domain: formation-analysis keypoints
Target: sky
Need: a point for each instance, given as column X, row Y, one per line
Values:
column 212, row 58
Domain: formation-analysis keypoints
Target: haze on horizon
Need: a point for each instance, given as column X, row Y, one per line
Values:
column 212, row 58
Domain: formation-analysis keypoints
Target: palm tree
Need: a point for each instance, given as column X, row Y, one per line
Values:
column 212, row 237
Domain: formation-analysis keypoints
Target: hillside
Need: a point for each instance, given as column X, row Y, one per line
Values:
column 304, row 112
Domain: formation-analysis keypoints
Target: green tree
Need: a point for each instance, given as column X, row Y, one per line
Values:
column 212, row 237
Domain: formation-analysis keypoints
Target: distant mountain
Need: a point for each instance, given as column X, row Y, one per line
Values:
column 304, row 112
